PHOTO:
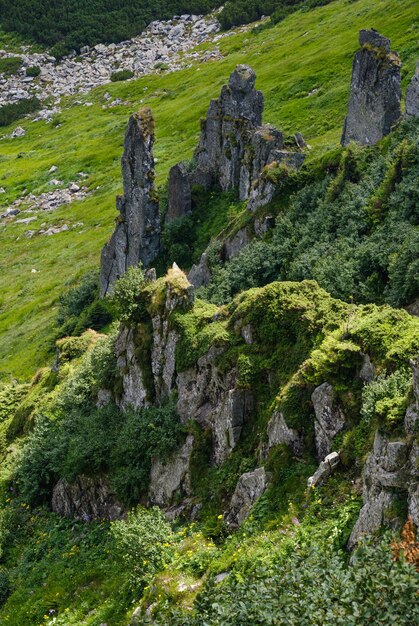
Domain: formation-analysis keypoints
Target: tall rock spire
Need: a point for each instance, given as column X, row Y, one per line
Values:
column 374, row 101
column 412, row 95
column 137, row 234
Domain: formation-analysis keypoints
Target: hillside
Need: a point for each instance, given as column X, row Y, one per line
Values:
column 209, row 299
column 307, row 52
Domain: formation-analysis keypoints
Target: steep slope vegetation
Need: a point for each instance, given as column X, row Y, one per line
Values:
column 303, row 66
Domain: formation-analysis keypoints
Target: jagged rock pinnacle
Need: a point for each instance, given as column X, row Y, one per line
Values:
column 137, row 234
column 374, row 101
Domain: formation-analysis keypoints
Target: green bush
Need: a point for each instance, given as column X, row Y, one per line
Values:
column 308, row 586
column 127, row 299
column 386, row 400
column 142, row 542
column 14, row 111
column 33, row 70
column 10, row 65
column 4, row 585
column 327, row 233
column 121, row 75
column 80, row 307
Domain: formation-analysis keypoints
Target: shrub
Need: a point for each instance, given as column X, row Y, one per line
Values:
column 10, row 65
column 33, row 70
column 4, row 585
column 121, row 75
column 80, row 307
column 307, row 586
column 127, row 299
column 386, row 400
column 14, row 111
column 142, row 541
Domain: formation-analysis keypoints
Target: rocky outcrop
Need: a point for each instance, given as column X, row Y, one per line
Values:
column 171, row 478
column 249, row 488
column 86, row 499
column 214, row 401
column 375, row 95
column 179, row 193
column 329, row 419
column 227, row 130
column 391, row 476
column 412, row 95
column 279, row 433
column 135, row 388
column 234, row 147
column 325, row 469
column 136, row 238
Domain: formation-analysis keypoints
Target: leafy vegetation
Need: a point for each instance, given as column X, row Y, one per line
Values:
column 326, row 229
column 14, row 111
column 90, row 140
column 121, row 75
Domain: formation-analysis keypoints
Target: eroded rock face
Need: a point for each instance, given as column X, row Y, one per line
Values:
column 391, row 475
column 279, row 433
column 86, row 499
column 374, row 101
column 179, row 193
column 227, row 130
column 329, row 418
column 249, row 488
column 171, row 477
column 135, row 392
column 213, row 400
column 412, row 95
column 137, row 234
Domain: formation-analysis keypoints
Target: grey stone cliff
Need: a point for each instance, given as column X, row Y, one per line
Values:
column 86, row 499
column 391, row 475
column 375, row 95
column 329, row 419
column 412, row 95
column 249, row 488
column 179, row 193
column 137, row 234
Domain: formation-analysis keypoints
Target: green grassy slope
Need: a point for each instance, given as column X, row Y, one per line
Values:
column 305, row 52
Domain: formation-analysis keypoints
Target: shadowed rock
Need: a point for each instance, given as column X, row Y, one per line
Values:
column 137, row 234
column 179, row 193
column 412, row 95
column 374, row 101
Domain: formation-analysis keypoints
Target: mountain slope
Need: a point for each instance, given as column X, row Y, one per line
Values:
column 308, row 53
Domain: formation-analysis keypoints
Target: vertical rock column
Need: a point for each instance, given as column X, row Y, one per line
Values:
column 374, row 101
column 137, row 234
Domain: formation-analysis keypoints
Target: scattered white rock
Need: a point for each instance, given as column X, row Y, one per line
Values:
column 53, row 169
column 18, row 132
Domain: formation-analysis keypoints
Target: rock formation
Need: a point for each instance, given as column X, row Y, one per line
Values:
column 137, row 234
column 179, row 193
column 234, row 148
column 249, row 488
column 329, row 418
column 412, row 95
column 86, row 499
column 391, row 475
column 374, row 100
column 171, row 478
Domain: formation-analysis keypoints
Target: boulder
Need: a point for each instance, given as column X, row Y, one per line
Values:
column 325, row 469
column 87, row 498
column 412, row 95
column 329, row 419
column 249, row 488
column 136, row 238
column 375, row 94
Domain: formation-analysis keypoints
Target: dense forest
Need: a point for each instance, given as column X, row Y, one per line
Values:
column 71, row 24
